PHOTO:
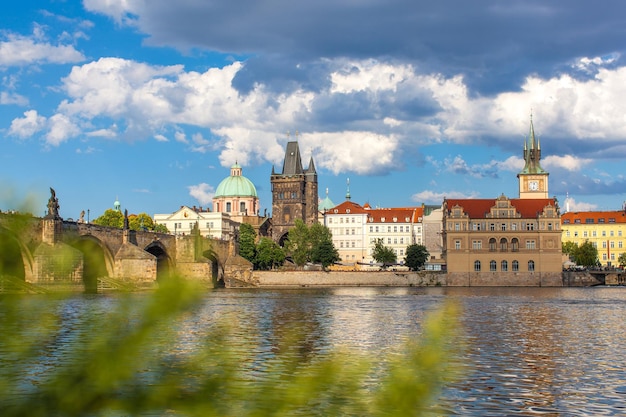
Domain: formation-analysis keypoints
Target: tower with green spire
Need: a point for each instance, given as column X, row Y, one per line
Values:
column 533, row 179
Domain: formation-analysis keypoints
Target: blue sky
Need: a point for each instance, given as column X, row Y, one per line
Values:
column 151, row 101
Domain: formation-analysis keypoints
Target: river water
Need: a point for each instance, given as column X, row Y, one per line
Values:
column 529, row 351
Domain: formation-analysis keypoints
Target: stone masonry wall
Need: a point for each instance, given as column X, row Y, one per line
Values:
column 336, row 279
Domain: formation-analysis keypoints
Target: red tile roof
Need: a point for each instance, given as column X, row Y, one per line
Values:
column 598, row 217
column 347, row 207
column 479, row 208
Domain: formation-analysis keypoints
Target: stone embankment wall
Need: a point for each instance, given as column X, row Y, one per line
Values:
column 337, row 279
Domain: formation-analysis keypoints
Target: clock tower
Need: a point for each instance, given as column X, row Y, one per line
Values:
column 533, row 180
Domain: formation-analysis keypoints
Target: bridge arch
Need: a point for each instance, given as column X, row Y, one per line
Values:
column 97, row 260
column 164, row 261
column 15, row 258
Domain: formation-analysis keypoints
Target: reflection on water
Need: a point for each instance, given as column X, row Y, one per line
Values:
column 530, row 351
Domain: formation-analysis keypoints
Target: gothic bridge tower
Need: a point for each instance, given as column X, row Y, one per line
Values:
column 294, row 193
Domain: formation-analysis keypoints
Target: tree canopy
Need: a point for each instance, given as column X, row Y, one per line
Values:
column 311, row 244
column 416, row 256
column 268, row 254
column 247, row 238
column 383, row 254
column 110, row 218
column 586, row 255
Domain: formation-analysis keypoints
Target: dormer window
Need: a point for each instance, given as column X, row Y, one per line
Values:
column 382, row 219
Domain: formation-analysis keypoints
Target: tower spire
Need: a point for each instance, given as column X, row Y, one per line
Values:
column 348, row 189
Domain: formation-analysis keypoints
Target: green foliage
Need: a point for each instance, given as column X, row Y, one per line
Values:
column 311, row 244
column 298, row 243
column 324, row 253
column 134, row 362
column 142, row 221
column 247, row 238
column 622, row 259
column 569, row 248
column 268, row 254
column 110, row 218
column 161, row 228
column 586, row 255
column 416, row 256
column 383, row 254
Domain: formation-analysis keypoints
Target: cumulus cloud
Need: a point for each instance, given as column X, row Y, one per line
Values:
column 568, row 162
column 12, row 98
column 437, row 197
column 202, row 192
column 17, row 50
column 572, row 205
column 29, row 125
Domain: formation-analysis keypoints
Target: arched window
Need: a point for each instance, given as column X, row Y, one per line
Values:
column 504, row 266
column 515, row 266
column 477, row 266
column 531, row 266
column 515, row 244
column 493, row 265
column 492, row 245
column 503, row 245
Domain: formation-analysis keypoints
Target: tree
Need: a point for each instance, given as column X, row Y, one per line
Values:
column 298, row 243
column 141, row 221
column 111, row 218
column 416, row 256
column 569, row 248
column 586, row 255
column 161, row 228
column 269, row 254
column 325, row 253
column 383, row 254
column 247, row 237
column 622, row 259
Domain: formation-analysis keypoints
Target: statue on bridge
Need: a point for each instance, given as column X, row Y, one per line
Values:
column 53, row 206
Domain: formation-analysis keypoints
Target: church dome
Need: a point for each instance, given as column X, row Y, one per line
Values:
column 236, row 185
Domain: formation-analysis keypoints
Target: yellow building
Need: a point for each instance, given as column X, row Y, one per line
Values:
column 606, row 230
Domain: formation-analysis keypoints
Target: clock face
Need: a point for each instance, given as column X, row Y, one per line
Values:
column 533, row 185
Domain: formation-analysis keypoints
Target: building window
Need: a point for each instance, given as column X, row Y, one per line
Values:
column 477, row 244
column 492, row 227
column 492, row 245
column 477, row 266
column 604, row 256
column 457, row 244
column 514, row 244
column 503, row 245
column 567, row 233
column 457, row 227
column 389, row 229
column 619, row 244
column 503, row 227
column 514, row 226
column 575, row 233
column 604, row 244
column 515, row 266
column 612, row 233
column 612, row 245
column 604, row 233
column 530, row 244
column 389, row 241
column 585, row 233
column 242, row 207
column 530, row 226
column 549, row 226
column 228, row 207
column 504, row 266
column 492, row 266
column 531, row 266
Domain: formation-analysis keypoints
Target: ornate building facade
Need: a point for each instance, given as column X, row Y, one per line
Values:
column 294, row 193
column 503, row 241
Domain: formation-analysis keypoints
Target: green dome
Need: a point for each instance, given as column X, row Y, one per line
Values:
column 236, row 185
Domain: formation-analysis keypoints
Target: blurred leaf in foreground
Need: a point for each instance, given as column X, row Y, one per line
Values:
column 134, row 361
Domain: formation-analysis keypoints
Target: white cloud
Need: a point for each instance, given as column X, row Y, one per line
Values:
column 13, row 98
column 61, row 128
column 202, row 192
column 160, row 138
column 20, row 50
column 435, row 197
column 573, row 205
column 568, row 162
column 29, row 125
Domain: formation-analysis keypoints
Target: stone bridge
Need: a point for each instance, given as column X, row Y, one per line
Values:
column 51, row 252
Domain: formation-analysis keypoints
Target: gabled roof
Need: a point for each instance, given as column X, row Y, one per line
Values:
column 400, row 214
column 594, row 217
column 347, row 207
column 292, row 164
column 479, row 208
